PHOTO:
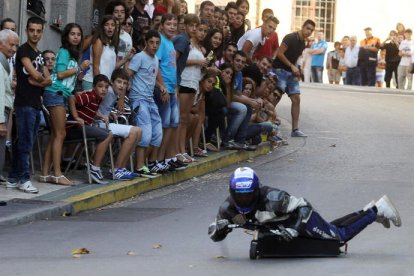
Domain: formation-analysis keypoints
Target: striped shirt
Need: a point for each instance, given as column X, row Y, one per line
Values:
column 87, row 105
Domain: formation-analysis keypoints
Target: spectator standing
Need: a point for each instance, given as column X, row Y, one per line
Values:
column 141, row 20
column 189, row 85
column 404, row 68
column 353, row 74
column 307, row 61
column 243, row 7
column 49, row 57
column 166, row 97
column 318, row 51
column 231, row 10
column 392, row 57
column 228, row 54
column 9, row 42
column 269, row 48
column 55, row 97
column 288, row 74
column 380, row 72
column 32, row 76
column 119, row 10
column 103, row 51
column 332, row 63
column 249, row 42
column 143, row 69
column 207, row 11
column 368, row 58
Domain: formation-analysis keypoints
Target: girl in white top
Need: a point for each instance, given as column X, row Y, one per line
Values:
column 307, row 61
column 190, row 79
column 104, row 52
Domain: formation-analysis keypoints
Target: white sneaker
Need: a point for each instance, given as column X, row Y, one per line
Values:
column 383, row 220
column 28, row 187
column 387, row 209
column 11, row 185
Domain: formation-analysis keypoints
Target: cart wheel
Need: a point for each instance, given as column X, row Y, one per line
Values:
column 253, row 251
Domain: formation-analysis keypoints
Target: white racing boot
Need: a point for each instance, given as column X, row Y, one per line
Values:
column 383, row 220
column 387, row 210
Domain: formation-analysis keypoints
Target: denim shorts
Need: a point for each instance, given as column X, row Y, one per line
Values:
column 51, row 99
column 170, row 115
column 146, row 116
column 287, row 82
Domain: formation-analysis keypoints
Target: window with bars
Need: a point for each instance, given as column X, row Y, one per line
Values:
column 320, row 11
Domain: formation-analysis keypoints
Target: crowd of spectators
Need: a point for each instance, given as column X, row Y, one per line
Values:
column 189, row 84
column 368, row 62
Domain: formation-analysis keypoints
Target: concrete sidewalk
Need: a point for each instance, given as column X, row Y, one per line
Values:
column 56, row 200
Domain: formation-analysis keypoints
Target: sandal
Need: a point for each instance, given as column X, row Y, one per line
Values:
column 199, row 152
column 187, row 156
column 61, row 180
column 183, row 159
column 211, row 147
column 45, row 178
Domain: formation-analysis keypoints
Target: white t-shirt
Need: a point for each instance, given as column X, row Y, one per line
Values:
column 407, row 46
column 254, row 36
column 191, row 75
column 125, row 44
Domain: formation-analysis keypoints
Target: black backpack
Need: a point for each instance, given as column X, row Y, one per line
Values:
column 37, row 7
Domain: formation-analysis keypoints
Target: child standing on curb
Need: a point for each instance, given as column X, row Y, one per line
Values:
column 143, row 69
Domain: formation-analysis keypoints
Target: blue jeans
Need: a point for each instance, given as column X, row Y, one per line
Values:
column 146, row 116
column 254, row 131
column 27, row 125
column 368, row 74
column 317, row 73
column 169, row 112
column 353, row 76
column 242, row 131
column 235, row 116
column 343, row 229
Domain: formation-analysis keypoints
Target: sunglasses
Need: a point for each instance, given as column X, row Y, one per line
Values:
column 127, row 24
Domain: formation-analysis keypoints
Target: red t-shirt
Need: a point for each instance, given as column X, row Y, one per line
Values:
column 268, row 48
column 87, row 105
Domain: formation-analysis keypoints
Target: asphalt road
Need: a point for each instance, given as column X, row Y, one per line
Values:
column 360, row 146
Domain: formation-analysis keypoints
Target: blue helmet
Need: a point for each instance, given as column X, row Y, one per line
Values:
column 244, row 189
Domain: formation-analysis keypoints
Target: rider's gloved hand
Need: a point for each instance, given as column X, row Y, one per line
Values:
column 288, row 234
column 217, row 226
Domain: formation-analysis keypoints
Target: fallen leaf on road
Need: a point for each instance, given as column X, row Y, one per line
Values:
column 249, row 160
column 221, row 257
column 156, row 246
column 82, row 250
column 333, row 145
column 131, row 253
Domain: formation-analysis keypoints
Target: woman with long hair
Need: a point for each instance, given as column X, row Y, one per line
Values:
column 213, row 43
column 189, row 85
column 104, row 51
column 64, row 76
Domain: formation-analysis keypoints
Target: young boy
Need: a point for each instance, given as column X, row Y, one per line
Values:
column 167, row 98
column 83, row 108
column 32, row 76
column 143, row 69
column 130, row 134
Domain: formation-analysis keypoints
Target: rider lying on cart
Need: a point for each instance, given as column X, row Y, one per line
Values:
column 251, row 202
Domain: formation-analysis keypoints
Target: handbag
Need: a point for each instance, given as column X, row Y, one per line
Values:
column 37, row 7
column 215, row 99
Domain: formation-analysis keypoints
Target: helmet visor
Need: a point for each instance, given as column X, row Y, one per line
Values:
column 244, row 200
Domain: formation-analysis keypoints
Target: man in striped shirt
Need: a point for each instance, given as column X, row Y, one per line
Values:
column 84, row 108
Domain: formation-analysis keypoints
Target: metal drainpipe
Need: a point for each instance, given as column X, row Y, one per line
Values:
column 21, row 24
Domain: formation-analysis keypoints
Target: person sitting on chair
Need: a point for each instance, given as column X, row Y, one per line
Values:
column 250, row 201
